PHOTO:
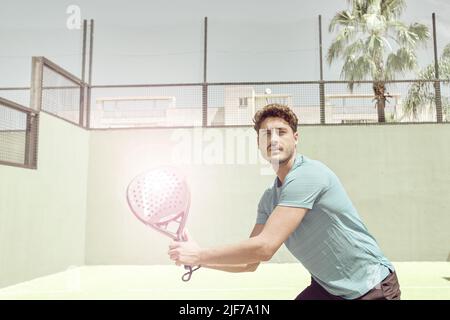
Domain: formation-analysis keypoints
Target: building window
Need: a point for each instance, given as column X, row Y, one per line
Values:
column 243, row 102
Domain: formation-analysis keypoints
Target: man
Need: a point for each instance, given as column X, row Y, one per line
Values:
column 309, row 211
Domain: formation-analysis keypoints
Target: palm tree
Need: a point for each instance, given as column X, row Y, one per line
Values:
column 421, row 94
column 375, row 45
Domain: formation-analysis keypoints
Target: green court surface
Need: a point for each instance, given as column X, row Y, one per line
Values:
column 418, row 280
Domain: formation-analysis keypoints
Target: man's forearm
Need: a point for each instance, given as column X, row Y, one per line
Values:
column 249, row 251
column 232, row 267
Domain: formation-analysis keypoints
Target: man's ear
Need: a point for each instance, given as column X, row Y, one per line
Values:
column 296, row 138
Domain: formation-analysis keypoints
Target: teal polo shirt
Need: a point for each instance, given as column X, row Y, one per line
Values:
column 331, row 242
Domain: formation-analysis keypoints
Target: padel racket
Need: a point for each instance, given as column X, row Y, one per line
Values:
column 160, row 198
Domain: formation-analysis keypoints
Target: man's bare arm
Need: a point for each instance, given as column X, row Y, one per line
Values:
column 250, row 267
column 281, row 223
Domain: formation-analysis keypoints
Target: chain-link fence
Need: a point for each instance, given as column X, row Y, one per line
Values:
column 227, row 71
column 18, row 134
column 235, row 103
column 235, row 53
column 61, row 92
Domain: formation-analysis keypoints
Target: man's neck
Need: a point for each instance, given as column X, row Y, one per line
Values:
column 284, row 168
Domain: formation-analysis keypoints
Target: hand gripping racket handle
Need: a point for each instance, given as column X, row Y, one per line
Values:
column 187, row 276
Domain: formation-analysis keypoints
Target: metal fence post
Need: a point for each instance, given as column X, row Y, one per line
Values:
column 83, row 106
column 37, row 70
column 321, row 83
column 89, row 84
column 31, row 138
column 205, row 79
column 437, row 83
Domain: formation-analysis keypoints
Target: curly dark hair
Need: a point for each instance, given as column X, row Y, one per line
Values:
column 278, row 111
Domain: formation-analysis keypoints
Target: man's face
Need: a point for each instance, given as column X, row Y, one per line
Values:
column 276, row 140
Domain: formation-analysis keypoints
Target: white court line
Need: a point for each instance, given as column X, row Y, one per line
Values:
column 143, row 290
column 446, row 287
column 36, row 292
column 183, row 290
column 253, row 289
column 209, row 290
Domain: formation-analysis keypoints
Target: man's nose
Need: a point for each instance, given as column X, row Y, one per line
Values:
column 274, row 143
column 274, row 138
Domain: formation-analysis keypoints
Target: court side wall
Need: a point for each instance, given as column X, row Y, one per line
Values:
column 397, row 176
column 43, row 211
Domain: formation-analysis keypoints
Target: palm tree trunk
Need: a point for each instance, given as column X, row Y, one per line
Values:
column 379, row 89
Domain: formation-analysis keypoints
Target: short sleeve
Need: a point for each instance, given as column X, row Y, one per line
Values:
column 263, row 210
column 302, row 191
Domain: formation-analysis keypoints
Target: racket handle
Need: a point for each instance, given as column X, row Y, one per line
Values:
column 187, row 276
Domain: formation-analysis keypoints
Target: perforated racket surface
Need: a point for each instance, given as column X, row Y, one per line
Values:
column 160, row 198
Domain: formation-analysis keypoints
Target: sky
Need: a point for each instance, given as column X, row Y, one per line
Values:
column 161, row 41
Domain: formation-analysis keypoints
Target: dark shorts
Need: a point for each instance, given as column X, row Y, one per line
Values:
column 388, row 289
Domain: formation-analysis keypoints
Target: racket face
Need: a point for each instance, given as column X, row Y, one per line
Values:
column 158, row 196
